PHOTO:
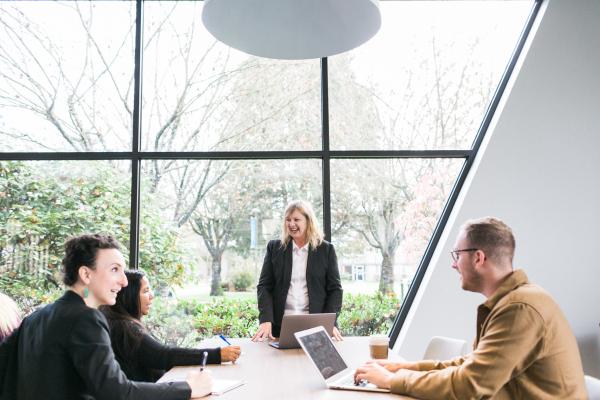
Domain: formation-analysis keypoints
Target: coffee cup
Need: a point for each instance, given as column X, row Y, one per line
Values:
column 378, row 346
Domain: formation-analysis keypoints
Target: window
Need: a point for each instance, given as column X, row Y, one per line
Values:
column 227, row 139
column 44, row 202
column 66, row 81
column 201, row 95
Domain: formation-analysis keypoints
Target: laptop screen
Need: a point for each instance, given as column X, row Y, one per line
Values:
column 324, row 354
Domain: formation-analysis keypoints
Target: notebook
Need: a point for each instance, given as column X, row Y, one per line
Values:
column 293, row 323
column 220, row 386
column 317, row 344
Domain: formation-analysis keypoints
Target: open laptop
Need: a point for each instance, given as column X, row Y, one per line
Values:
column 318, row 346
column 299, row 322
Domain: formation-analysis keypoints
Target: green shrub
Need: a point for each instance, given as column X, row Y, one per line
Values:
column 242, row 281
column 225, row 286
column 39, row 210
column 189, row 321
column 364, row 315
column 171, row 324
column 231, row 317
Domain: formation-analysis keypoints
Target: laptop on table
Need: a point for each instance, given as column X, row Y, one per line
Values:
column 317, row 344
column 293, row 323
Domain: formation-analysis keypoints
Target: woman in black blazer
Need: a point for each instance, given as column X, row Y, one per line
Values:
column 63, row 350
column 142, row 357
column 299, row 275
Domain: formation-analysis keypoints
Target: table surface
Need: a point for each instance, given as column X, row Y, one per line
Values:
column 270, row 373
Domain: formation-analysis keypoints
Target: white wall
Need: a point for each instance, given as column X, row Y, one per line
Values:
column 538, row 170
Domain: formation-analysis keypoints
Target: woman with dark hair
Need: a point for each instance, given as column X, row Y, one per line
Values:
column 63, row 349
column 143, row 358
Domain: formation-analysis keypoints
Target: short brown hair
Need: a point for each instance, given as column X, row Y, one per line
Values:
column 492, row 236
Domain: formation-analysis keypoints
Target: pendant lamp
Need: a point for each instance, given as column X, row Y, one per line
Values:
column 292, row 29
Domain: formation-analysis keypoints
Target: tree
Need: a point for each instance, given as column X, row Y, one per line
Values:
column 376, row 205
column 43, row 205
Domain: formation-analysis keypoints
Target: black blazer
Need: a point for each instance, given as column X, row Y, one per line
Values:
column 322, row 280
column 64, row 353
column 148, row 359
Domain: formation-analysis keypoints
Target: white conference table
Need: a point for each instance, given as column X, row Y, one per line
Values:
column 270, row 373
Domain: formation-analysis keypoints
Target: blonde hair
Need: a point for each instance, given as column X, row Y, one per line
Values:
column 314, row 234
column 10, row 316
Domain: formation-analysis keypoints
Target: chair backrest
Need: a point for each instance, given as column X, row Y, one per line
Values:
column 445, row 348
column 593, row 387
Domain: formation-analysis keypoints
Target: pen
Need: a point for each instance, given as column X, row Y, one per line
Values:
column 225, row 339
column 204, row 358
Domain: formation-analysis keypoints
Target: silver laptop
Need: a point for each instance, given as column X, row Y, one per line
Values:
column 299, row 322
column 318, row 346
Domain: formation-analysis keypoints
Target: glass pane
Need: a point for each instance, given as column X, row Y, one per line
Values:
column 215, row 219
column 42, row 203
column 426, row 79
column 200, row 95
column 383, row 215
column 66, row 73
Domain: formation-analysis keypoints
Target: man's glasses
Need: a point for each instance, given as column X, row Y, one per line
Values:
column 456, row 253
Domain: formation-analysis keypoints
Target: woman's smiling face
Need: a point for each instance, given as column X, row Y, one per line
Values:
column 107, row 278
column 296, row 224
column 146, row 296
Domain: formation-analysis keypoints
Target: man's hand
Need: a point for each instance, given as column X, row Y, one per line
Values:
column 375, row 374
column 336, row 334
column 395, row 366
column 263, row 333
column 230, row 353
column 201, row 383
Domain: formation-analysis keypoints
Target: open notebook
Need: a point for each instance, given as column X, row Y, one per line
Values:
column 220, row 386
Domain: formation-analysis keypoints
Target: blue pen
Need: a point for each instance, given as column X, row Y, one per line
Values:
column 204, row 358
column 225, row 339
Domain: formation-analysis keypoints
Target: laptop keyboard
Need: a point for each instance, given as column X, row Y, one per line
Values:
column 349, row 381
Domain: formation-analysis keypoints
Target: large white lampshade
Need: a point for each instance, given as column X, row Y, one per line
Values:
column 292, row 29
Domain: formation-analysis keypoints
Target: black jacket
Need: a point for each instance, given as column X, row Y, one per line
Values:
column 322, row 280
column 148, row 359
column 8, row 366
column 64, row 353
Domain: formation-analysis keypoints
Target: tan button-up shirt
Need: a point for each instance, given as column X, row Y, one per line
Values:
column 524, row 349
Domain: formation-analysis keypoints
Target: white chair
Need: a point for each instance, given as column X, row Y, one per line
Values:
column 445, row 348
column 593, row 387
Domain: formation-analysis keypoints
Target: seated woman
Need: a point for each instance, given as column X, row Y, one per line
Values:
column 142, row 358
column 63, row 349
column 10, row 316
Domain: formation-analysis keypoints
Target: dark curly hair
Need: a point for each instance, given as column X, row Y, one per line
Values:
column 82, row 250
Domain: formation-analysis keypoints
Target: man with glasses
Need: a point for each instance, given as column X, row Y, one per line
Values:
column 524, row 348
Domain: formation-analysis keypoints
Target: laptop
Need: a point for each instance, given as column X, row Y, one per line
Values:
column 299, row 322
column 318, row 346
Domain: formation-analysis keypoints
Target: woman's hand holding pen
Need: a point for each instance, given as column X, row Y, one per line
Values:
column 201, row 382
column 230, row 353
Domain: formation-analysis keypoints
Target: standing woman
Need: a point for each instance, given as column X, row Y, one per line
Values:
column 63, row 349
column 141, row 357
column 299, row 275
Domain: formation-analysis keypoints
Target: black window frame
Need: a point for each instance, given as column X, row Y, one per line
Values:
column 325, row 155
